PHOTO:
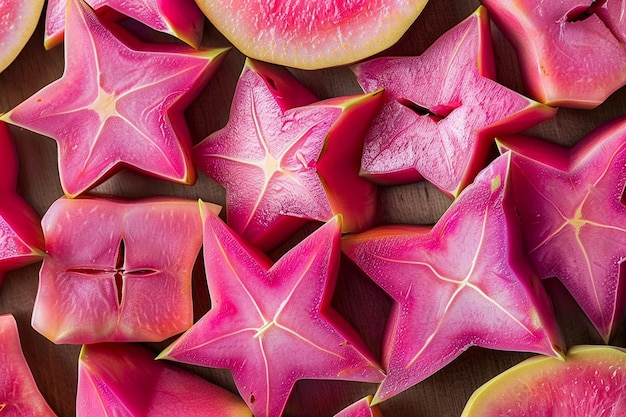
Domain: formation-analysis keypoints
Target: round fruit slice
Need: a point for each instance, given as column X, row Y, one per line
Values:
column 590, row 382
column 312, row 34
column 18, row 19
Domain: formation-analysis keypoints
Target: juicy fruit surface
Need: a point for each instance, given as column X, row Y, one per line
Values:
column 18, row 20
column 120, row 116
column 571, row 52
column 116, row 270
column 21, row 238
column 465, row 279
column 441, row 110
column 271, row 323
column 19, row 395
column 573, row 216
column 591, row 381
column 123, row 379
column 180, row 18
column 284, row 146
column 312, row 34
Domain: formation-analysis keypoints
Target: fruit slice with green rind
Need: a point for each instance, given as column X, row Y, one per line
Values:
column 124, row 380
column 18, row 20
column 19, row 395
column 312, row 34
column 591, row 381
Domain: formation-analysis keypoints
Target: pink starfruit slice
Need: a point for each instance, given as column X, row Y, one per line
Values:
column 361, row 408
column 182, row 19
column 442, row 110
column 19, row 394
column 572, row 53
column 272, row 324
column 286, row 158
column 123, row 379
column 119, row 116
column 464, row 282
column 118, row 270
column 21, row 238
column 574, row 218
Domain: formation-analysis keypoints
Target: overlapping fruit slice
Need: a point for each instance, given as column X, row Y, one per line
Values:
column 120, row 102
column 571, row 52
column 312, row 34
column 286, row 158
column 590, row 382
column 118, row 270
column 123, row 379
column 21, row 238
column 463, row 282
column 272, row 324
column 574, row 218
column 19, row 395
column 18, row 20
column 442, row 110
column 180, row 18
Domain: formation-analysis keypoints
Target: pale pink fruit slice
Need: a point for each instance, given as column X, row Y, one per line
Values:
column 591, row 381
column 119, row 116
column 573, row 216
column 464, row 282
column 124, row 380
column 118, row 270
column 571, row 52
column 312, row 34
column 19, row 395
column 21, row 238
column 361, row 408
column 18, row 20
column 286, row 158
column 442, row 110
column 180, row 18
column 272, row 324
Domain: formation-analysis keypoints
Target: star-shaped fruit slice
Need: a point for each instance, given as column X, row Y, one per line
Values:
column 272, row 324
column 118, row 270
column 21, row 238
column 463, row 282
column 19, row 394
column 120, row 102
column 286, row 158
column 571, row 53
column 182, row 19
column 574, row 218
column 123, row 379
column 442, row 110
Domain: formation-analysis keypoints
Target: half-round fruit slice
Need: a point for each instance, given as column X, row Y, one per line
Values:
column 590, row 382
column 18, row 20
column 312, row 34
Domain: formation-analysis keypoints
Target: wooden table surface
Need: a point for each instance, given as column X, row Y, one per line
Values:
column 444, row 394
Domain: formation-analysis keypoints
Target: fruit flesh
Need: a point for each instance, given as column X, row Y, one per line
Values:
column 18, row 19
column 591, row 381
column 312, row 34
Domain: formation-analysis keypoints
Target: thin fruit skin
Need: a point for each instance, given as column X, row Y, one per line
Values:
column 591, row 381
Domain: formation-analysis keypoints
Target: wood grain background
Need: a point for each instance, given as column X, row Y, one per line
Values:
column 357, row 298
